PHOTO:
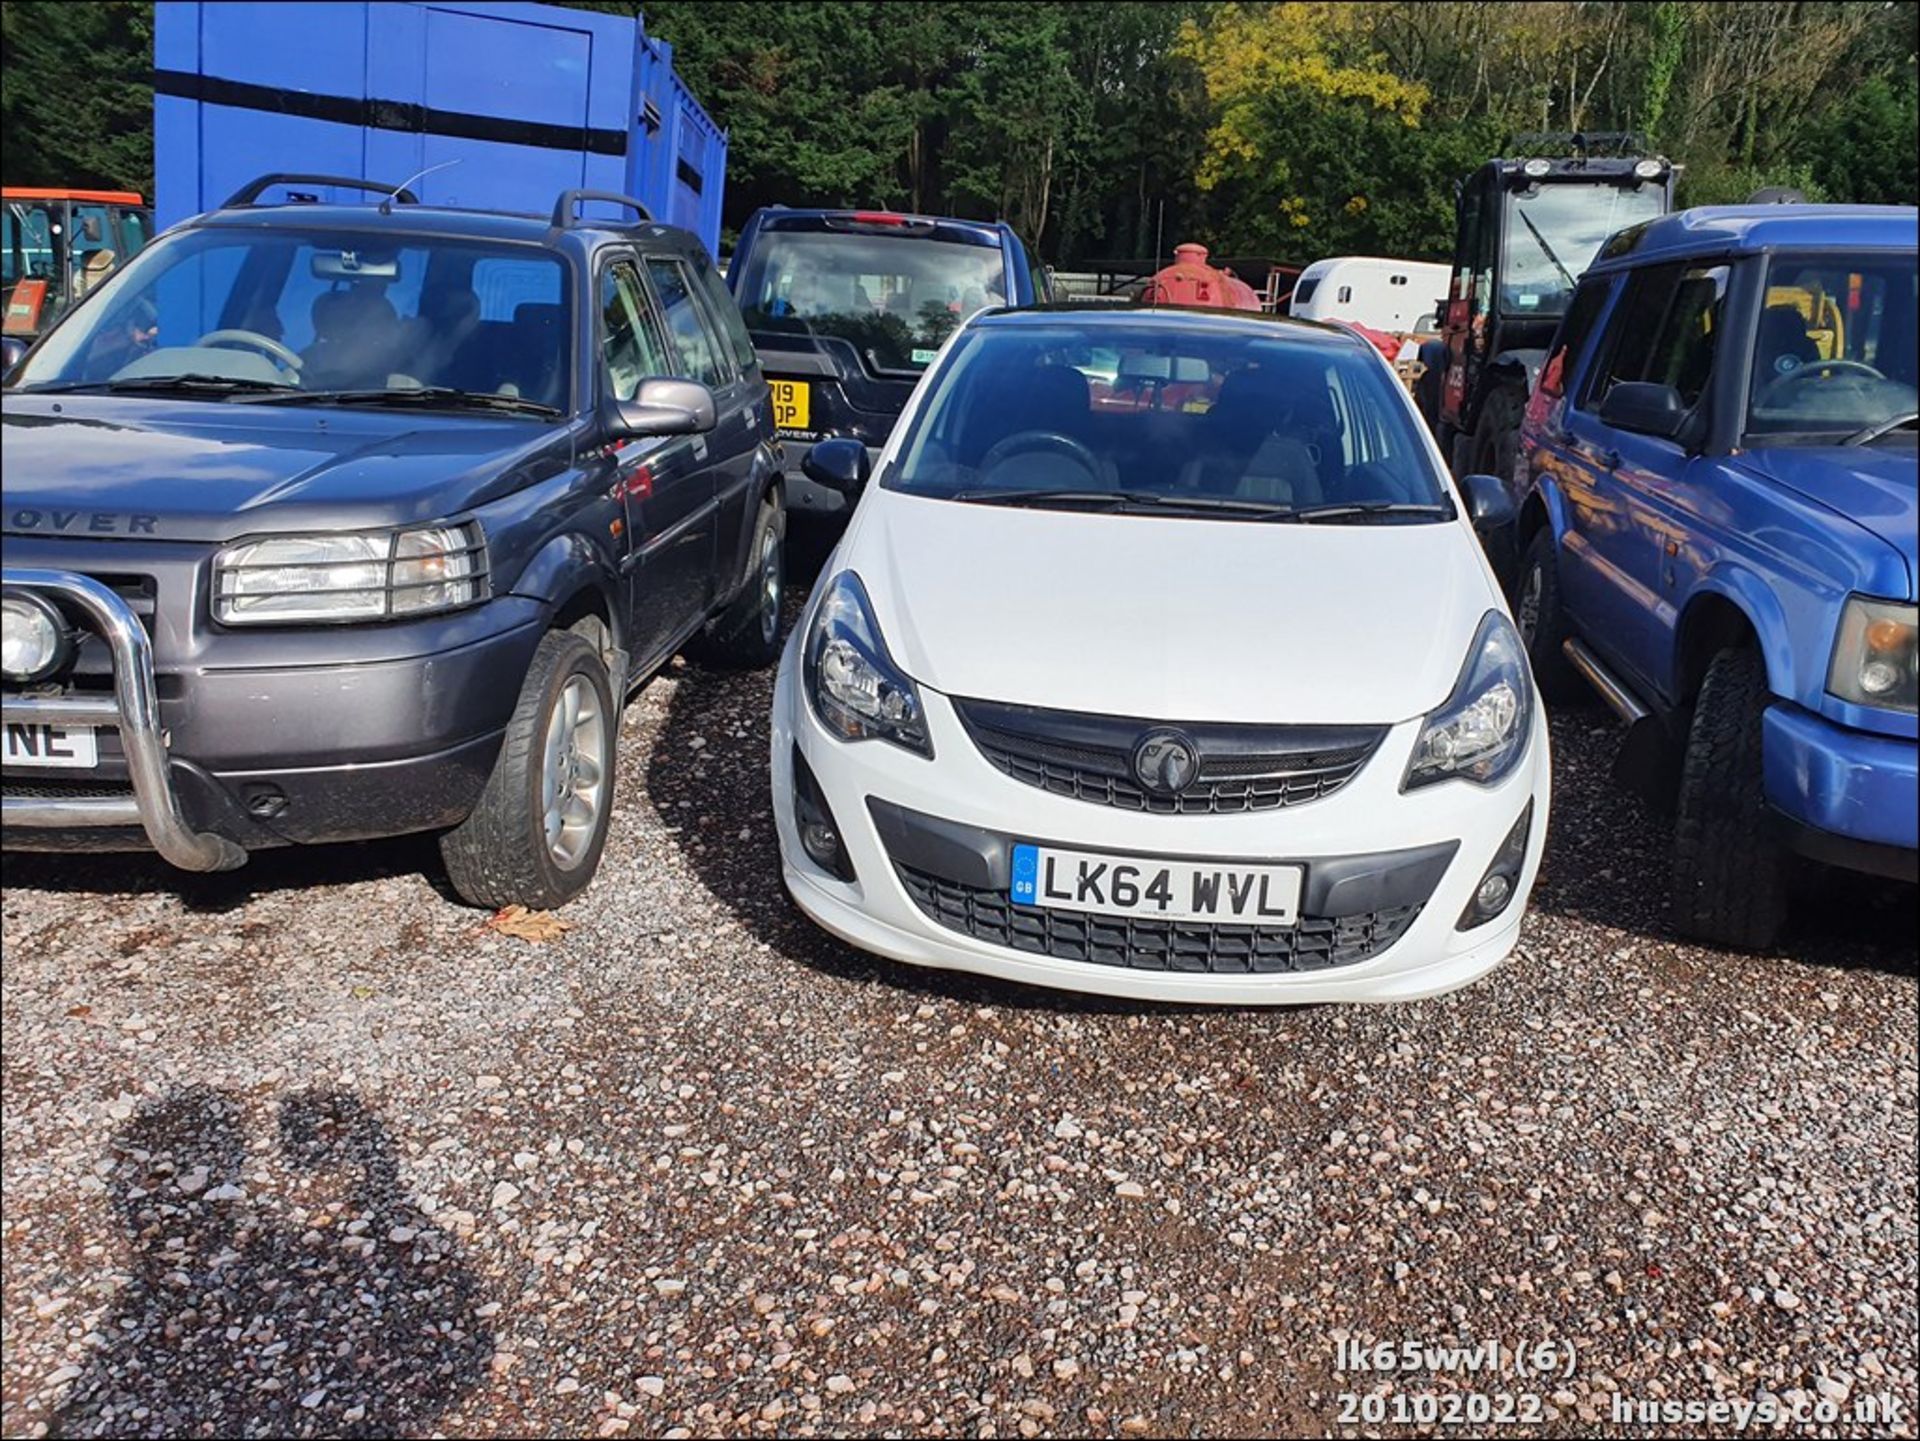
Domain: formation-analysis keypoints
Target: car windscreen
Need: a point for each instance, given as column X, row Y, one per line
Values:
column 1834, row 349
column 320, row 311
column 1555, row 230
column 896, row 298
column 1167, row 415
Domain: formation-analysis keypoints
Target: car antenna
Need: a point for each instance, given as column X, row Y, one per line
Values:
column 386, row 206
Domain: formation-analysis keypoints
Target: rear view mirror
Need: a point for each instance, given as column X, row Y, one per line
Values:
column 840, row 464
column 1644, row 407
column 13, row 350
column 663, row 407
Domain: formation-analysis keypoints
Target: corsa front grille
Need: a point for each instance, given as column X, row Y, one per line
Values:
column 1242, row 767
column 1317, row 943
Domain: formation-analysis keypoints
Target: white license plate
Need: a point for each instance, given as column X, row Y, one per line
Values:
column 69, row 747
column 1162, row 890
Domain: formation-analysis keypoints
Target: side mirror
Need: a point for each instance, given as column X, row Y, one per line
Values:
column 663, row 407
column 839, row 464
column 1491, row 510
column 13, row 350
column 1644, row 407
column 1489, row 506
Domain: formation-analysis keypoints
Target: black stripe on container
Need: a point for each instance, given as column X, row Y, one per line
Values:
column 387, row 114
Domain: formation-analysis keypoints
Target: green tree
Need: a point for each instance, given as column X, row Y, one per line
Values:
column 77, row 105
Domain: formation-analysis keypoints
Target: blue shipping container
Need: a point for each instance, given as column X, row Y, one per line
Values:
column 528, row 100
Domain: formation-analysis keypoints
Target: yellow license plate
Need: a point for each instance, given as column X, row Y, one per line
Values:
column 792, row 407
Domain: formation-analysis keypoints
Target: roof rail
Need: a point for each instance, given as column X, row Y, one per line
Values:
column 252, row 191
column 564, row 217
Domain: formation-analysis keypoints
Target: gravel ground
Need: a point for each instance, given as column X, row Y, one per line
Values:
column 302, row 1149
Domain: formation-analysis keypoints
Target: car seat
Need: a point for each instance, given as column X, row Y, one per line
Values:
column 537, row 353
column 1783, row 345
column 1245, row 457
column 357, row 337
column 439, row 353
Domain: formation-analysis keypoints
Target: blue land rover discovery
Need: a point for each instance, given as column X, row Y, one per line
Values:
column 1718, row 499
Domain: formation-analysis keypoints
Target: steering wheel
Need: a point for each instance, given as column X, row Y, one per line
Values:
column 1023, row 442
column 1799, row 375
column 279, row 354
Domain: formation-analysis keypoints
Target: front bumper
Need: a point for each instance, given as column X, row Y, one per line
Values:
column 1846, row 797
column 265, row 754
column 1368, row 851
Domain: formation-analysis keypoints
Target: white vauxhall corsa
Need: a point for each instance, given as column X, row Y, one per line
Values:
column 1161, row 659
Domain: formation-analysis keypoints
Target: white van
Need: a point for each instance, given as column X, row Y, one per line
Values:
column 1397, row 296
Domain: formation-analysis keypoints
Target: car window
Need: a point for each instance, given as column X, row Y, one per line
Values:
column 726, row 314
column 504, row 285
column 893, row 298
column 631, row 345
column 1683, row 350
column 1169, row 412
column 696, row 343
column 1834, row 347
column 1553, row 232
column 1636, row 323
column 1570, row 342
column 357, row 310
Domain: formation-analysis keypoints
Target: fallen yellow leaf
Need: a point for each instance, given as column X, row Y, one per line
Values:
column 526, row 925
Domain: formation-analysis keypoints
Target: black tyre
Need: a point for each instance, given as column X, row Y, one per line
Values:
column 535, row 837
column 746, row 635
column 1541, row 622
column 1730, row 876
column 1496, row 439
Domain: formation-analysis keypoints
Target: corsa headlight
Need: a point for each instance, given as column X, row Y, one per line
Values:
column 856, row 689
column 383, row 575
column 34, row 638
column 1481, row 732
column 1874, row 656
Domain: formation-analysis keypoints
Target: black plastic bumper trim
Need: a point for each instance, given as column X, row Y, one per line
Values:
column 1336, row 886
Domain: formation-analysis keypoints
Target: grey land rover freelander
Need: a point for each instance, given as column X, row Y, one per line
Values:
column 326, row 522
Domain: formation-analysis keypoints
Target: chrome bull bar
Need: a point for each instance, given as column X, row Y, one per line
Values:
column 134, row 711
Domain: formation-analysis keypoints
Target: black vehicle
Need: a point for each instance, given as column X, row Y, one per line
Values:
column 326, row 522
column 1525, row 230
column 848, row 307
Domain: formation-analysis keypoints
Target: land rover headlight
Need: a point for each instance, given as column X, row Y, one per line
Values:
column 35, row 641
column 1480, row 733
column 1874, row 660
column 365, row 576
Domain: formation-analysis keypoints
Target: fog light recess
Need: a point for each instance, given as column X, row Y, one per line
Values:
column 819, row 834
column 1499, row 885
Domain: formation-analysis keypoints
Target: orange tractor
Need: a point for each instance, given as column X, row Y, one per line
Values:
column 57, row 244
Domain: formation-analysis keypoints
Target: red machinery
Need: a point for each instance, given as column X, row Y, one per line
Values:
column 1191, row 281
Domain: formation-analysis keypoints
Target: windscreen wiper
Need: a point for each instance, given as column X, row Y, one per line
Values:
column 1076, row 499
column 1885, row 427
column 1545, row 249
column 423, row 397
column 1122, row 500
column 189, row 384
column 1367, row 510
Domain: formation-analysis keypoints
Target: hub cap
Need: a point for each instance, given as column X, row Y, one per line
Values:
column 573, row 777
